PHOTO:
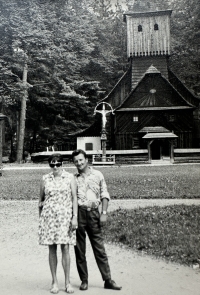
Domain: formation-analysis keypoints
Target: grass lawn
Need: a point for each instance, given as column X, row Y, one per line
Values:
column 171, row 232
column 130, row 182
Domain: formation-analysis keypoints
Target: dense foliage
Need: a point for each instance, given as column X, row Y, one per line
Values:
column 170, row 232
column 185, row 33
column 76, row 52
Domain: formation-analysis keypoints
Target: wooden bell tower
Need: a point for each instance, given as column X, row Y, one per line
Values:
column 148, row 38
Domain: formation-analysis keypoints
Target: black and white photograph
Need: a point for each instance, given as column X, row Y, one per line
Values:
column 100, row 147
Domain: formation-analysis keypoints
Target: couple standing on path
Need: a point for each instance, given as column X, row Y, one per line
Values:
column 68, row 208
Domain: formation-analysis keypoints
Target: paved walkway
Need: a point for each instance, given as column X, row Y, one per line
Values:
column 25, row 270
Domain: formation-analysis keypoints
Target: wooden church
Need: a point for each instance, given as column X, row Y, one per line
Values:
column 153, row 109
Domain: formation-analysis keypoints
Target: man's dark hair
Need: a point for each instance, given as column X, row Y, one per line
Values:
column 77, row 152
column 55, row 158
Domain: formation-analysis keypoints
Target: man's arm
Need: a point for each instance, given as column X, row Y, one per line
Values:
column 105, row 197
column 103, row 217
column 104, row 205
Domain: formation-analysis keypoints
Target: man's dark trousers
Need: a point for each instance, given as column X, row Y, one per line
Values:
column 89, row 221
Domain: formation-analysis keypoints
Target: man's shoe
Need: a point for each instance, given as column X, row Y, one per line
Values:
column 110, row 284
column 84, row 286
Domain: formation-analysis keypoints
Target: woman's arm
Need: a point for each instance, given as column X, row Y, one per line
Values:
column 74, row 203
column 41, row 197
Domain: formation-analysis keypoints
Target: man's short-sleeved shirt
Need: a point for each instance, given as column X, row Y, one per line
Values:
column 92, row 188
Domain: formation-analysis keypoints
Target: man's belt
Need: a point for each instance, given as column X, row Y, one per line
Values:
column 89, row 208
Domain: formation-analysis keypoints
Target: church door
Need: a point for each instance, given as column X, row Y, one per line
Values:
column 156, row 150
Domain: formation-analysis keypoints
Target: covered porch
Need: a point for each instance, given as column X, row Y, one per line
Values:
column 160, row 146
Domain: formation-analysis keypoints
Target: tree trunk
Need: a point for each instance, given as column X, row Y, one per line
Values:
column 1, row 148
column 22, row 116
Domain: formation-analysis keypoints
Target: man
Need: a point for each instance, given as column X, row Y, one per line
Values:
column 92, row 191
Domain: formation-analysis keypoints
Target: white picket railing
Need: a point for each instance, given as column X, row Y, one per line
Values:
column 109, row 160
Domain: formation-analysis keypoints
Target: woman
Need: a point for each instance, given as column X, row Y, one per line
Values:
column 58, row 217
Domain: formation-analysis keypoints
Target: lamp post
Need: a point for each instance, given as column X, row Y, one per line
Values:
column 103, row 112
column 2, row 117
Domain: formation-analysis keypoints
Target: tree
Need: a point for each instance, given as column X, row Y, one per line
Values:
column 24, row 87
column 185, row 26
column 76, row 54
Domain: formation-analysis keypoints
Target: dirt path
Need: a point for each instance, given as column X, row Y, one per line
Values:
column 25, row 270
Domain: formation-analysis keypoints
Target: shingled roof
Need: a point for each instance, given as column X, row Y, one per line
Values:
column 146, row 5
column 151, row 99
column 93, row 130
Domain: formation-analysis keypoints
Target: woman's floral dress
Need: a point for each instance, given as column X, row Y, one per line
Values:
column 56, row 215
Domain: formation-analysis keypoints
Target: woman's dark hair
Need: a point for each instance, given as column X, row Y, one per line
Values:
column 55, row 158
column 77, row 152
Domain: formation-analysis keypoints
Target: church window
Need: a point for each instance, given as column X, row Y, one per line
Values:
column 156, row 27
column 135, row 118
column 139, row 28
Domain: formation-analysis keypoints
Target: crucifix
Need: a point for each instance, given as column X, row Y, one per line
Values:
column 103, row 112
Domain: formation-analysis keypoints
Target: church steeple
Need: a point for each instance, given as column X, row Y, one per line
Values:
column 148, row 29
column 148, row 38
column 146, row 5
